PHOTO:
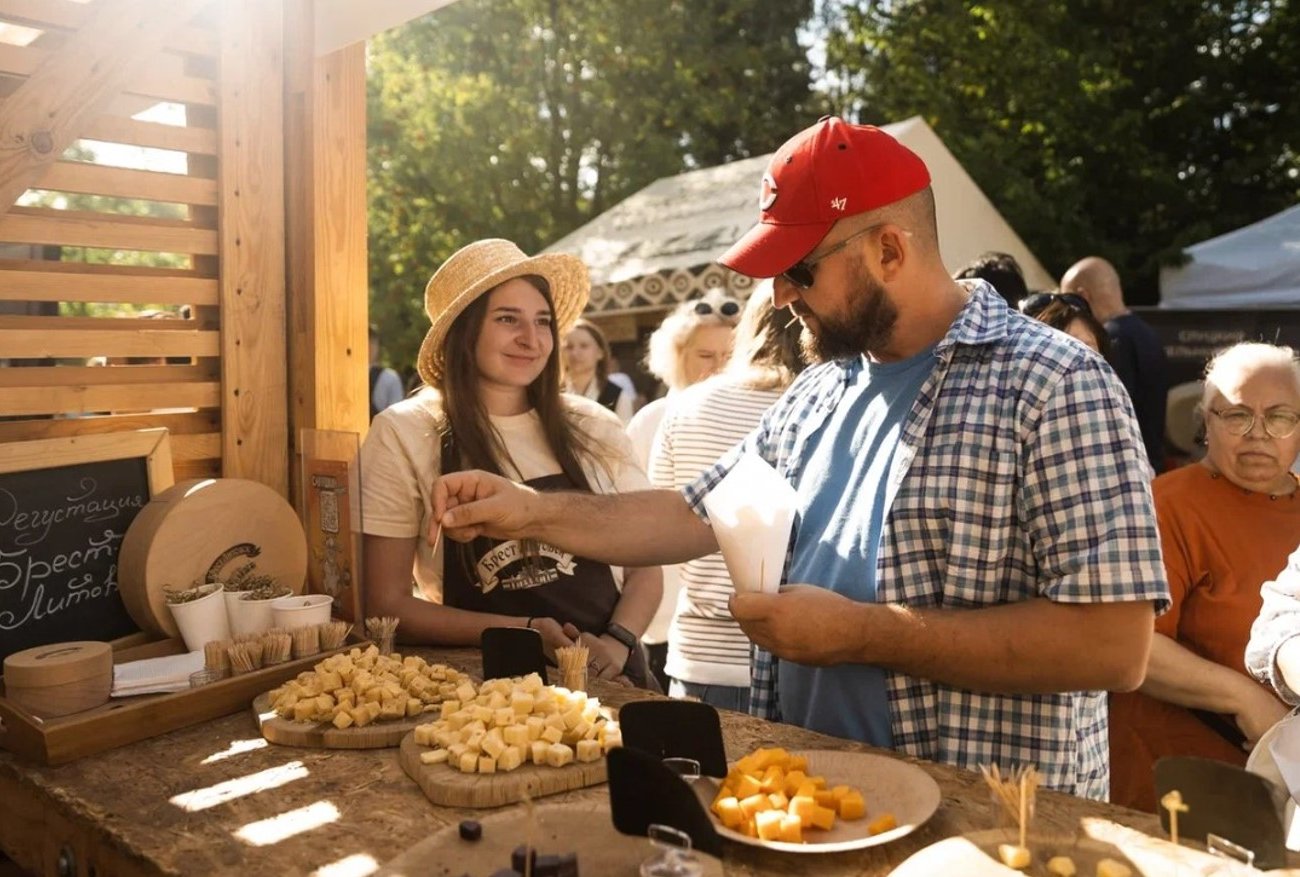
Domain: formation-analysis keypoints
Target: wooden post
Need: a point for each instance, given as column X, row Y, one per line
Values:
column 325, row 108
column 255, row 415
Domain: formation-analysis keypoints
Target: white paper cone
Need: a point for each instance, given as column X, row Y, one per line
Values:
column 752, row 511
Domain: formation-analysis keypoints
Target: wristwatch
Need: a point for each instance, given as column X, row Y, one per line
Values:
column 623, row 635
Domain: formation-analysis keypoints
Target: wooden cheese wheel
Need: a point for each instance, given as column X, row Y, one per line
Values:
column 60, row 678
column 205, row 530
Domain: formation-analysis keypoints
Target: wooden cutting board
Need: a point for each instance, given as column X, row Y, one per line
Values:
column 323, row 735
column 584, row 829
column 449, row 787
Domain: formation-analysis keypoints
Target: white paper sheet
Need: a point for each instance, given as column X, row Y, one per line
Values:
column 155, row 675
column 752, row 511
column 1283, row 743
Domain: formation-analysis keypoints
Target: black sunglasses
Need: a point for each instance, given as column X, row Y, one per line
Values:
column 1034, row 304
column 801, row 272
column 727, row 308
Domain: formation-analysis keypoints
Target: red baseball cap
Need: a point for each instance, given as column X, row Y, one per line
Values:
column 818, row 177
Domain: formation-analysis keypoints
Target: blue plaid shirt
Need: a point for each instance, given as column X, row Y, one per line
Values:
column 1020, row 473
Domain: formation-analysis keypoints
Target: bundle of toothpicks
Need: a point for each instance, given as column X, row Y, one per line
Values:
column 1015, row 794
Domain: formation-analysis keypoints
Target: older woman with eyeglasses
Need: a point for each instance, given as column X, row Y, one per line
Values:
column 1227, row 526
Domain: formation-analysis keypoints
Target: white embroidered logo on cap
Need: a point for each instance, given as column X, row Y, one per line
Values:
column 767, row 193
column 839, row 204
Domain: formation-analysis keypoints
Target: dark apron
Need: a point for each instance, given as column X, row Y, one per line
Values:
column 524, row 577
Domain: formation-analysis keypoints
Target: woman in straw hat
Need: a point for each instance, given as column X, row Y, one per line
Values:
column 1227, row 525
column 493, row 402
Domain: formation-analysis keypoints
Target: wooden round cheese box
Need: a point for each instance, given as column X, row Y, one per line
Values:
column 60, row 678
column 207, row 530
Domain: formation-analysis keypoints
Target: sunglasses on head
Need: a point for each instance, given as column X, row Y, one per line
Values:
column 1034, row 304
column 727, row 308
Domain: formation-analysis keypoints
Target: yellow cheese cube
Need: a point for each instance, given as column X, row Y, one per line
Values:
column 728, row 810
column 768, row 824
column 852, row 806
column 537, row 749
column 1014, row 856
column 558, row 755
column 823, row 818
column 552, row 735
column 434, row 756
column 493, row 746
column 791, row 829
column 779, row 801
column 521, row 702
column 747, row 786
column 535, row 724
column 802, row 806
column 468, row 762
column 303, row 710
column 414, row 707
column 516, row 735
column 423, row 734
column 1061, row 866
column 754, row 804
column 588, row 750
column 448, row 707
column 1112, row 868
column 486, row 764
column 882, row 823
column 342, row 720
column 511, row 757
column 793, row 780
column 613, row 740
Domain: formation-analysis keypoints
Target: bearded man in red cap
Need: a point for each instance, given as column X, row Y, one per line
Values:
column 975, row 559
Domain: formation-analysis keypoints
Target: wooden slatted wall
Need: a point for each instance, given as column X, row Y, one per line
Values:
column 113, row 312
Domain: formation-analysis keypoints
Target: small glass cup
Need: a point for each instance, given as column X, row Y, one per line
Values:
column 674, row 858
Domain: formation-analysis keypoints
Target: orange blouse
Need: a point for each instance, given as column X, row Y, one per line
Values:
column 1220, row 544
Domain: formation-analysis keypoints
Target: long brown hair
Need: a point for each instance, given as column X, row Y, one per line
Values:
column 476, row 443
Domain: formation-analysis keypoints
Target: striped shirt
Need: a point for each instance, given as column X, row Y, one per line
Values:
column 705, row 645
column 1020, row 474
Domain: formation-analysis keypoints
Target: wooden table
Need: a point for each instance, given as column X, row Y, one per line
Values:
column 119, row 812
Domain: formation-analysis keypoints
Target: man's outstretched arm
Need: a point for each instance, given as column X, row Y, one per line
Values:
column 644, row 528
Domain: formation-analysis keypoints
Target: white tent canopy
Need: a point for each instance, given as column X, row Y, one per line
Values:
column 686, row 221
column 1257, row 266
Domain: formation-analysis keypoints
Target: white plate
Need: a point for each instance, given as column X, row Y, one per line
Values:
column 889, row 785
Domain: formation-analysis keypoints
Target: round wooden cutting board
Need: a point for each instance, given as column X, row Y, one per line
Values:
column 583, row 828
column 448, row 787
column 323, row 735
column 206, row 530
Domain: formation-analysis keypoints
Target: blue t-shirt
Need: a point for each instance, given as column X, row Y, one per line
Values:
column 837, row 539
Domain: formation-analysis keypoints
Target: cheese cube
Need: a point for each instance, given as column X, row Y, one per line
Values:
column 535, row 724
column 531, row 683
column 448, row 707
column 423, row 734
column 496, row 700
column 456, row 750
column 728, row 810
column 882, row 823
column 791, row 829
column 552, row 735
column 521, row 702
column 613, row 740
column 503, row 717
column 487, row 765
column 511, row 757
column 469, row 762
column 303, row 710
column 768, row 824
column 852, row 806
column 516, row 735
column 342, row 720
column 493, row 747
column 537, row 749
column 1014, row 856
column 465, row 692
column 588, row 750
column 556, row 720
column 482, row 714
column 1061, row 866
column 823, row 818
column 434, row 756
column 558, row 755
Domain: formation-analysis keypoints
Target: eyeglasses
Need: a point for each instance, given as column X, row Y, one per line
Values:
column 1034, row 304
column 1239, row 421
column 801, row 272
column 727, row 308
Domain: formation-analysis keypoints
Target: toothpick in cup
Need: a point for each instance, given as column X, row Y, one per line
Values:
column 1173, row 802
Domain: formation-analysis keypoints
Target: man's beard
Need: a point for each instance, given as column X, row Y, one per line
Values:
column 867, row 327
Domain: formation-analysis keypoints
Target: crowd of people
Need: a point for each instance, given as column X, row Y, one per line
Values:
column 989, row 562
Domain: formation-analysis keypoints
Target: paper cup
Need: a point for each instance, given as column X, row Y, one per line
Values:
column 250, row 616
column 301, row 610
column 203, row 620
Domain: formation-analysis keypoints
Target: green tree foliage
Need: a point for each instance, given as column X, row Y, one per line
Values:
column 1124, row 129
column 524, row 119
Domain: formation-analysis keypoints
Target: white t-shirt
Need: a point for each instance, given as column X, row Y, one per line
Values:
column 401, row 459
column 705, row 644
column 643, row 429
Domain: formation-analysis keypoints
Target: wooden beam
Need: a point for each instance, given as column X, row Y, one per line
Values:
column 49, row 110
column 39, row 225
column 32, row 280
column 255, row 404
column 326, row 199
column 97, row 179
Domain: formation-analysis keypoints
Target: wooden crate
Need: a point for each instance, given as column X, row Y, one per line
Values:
column 128, row 719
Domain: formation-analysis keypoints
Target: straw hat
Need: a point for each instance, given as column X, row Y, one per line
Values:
column 477, row 268
column 1183, row 417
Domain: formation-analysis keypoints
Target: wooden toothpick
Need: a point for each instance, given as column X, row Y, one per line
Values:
column 1024, row 809
column 1173, row 802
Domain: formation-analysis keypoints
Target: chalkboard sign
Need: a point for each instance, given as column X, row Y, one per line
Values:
column 65, row 505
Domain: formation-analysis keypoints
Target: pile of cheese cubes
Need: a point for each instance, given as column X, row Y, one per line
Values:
column 360, row 687
column 505, row 723
column 768, row 794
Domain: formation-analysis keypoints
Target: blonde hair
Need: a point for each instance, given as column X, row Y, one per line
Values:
column 664, row 354
column 1230, row 366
